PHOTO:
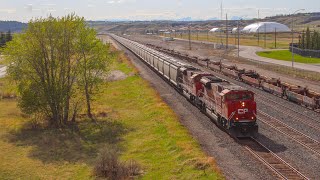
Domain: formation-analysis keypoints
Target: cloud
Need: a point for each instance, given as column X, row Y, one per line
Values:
column 9, row 11
column 91, row 5
column 29, row 7
column 51, row 10
column 119, row 1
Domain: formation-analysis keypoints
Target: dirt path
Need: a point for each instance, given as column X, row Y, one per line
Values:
column 3, row 71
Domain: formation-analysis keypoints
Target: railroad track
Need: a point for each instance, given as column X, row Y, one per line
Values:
column 281, row 168
column 295, row 135
column 294, row 114
column 271, row 160
column 283, row 110
column 282, row 106
column 172, row 54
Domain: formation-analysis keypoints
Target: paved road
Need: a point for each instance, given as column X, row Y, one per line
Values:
column 249, row 52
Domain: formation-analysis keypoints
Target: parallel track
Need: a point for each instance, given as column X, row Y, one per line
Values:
column 294, row 114
column 282, row 169
column 283, row 110
column 295, row 135
column 282, row 106
column 316, row 111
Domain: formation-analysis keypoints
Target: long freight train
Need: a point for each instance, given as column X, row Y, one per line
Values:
column 294, row 93
column 231, row 107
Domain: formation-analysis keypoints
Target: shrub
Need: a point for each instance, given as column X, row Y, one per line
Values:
column 109, row 166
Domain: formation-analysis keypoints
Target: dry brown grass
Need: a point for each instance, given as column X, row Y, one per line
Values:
column 108, row 165
column 132, row 118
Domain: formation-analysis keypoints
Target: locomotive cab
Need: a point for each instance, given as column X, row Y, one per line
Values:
column 239, row 112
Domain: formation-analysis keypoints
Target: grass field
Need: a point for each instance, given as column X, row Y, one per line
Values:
column 286, row 55
column 137, row 122
column 247, row 40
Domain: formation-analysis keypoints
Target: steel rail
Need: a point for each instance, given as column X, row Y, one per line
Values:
column 292, row 133
column 312, row 125
column 280, row 167
column 164, row 51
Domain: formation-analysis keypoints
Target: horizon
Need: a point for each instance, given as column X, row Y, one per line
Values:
column 184, row 19
column 141, row 10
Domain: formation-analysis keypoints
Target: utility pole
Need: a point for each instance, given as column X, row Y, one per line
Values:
column 258, row 27
column 189, row 38
column 265, row 35
column 238, row 40
column 275, row 38
column 221, row 22
column 207, row 35
column 258, row 35
column 227, row 32
column 197, row 34
column 292, row 43
column 235, row 37
column 292, row 35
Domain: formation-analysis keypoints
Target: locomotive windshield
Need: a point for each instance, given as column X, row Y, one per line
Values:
column 237, row 96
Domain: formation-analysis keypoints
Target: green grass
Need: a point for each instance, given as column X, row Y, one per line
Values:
column 296, row 73
column 138, row 123
column 287, row 56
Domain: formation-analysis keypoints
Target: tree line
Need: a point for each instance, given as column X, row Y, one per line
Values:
column 5, row 37
column 58, row 65
column 309, row 40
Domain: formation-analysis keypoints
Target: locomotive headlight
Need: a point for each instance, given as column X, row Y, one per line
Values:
column 243, row 104
column 237, row 118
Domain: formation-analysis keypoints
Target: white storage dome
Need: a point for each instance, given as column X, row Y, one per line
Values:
column 267, row 27
column 215, row 30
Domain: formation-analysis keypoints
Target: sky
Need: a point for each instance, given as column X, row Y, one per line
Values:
column 24, row 10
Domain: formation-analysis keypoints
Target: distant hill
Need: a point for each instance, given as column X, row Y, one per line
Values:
column 13, row 26
column 301, row 21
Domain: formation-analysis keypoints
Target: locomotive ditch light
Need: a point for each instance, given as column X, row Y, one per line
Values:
column 243, row 104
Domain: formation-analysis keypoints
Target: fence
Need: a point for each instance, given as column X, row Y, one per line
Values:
column 305, row 52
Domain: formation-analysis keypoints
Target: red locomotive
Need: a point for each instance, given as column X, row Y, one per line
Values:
column 230, row 106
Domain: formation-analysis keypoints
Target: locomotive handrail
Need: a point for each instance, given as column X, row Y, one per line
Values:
column 230, row 117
